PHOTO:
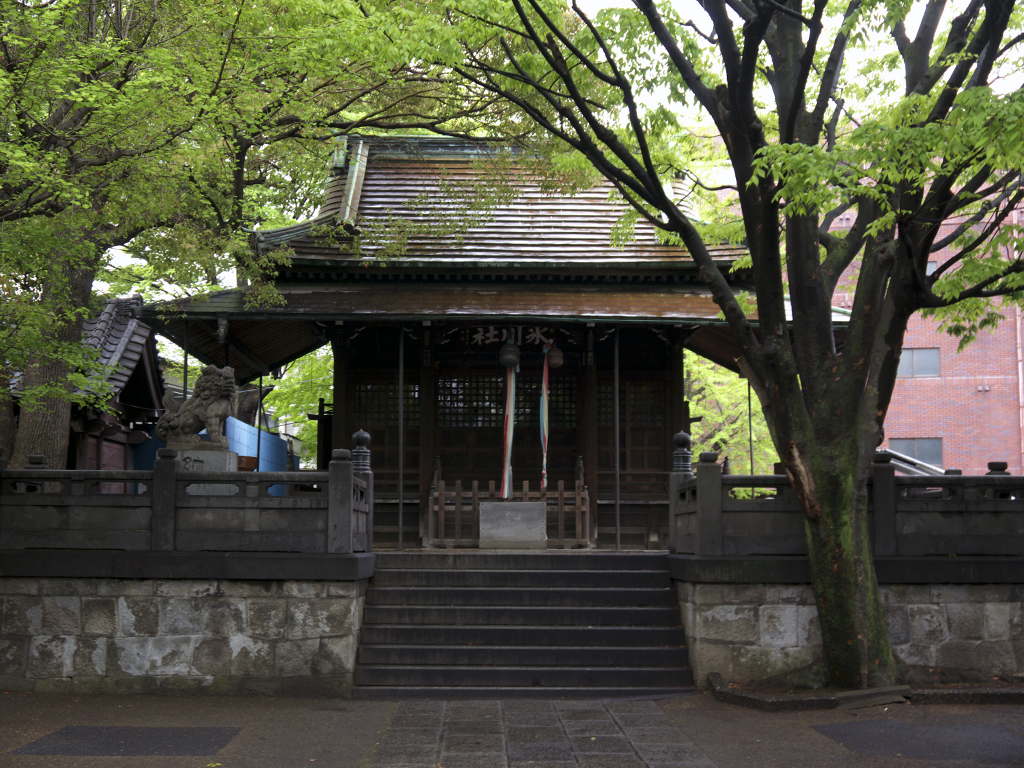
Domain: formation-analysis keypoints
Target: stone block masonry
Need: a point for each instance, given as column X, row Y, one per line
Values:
column 220, row 637
column 748, row 632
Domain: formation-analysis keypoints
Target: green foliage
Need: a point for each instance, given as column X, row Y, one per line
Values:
column 169, row 130
column 298, row 392
column 896, row 147
column 720, row 398
column 37, row 261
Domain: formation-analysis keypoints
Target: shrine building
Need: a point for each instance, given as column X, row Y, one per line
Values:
column 400, row 293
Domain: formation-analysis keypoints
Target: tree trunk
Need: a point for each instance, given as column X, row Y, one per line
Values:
column 855, row 638
column 46, row 428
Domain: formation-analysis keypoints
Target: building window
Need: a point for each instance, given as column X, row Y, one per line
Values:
column 640, row 405
column 561, row 400
column 918, row 363
column 926, row 449
column 479, row 401
column 471, row 401
column 376, row 404
column 932, row 266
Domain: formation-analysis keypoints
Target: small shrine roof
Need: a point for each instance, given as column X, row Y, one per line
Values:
column 125, row 346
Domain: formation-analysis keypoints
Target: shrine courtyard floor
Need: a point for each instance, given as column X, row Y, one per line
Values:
column 693, row 730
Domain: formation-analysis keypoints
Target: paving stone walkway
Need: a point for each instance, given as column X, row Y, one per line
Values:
column 534, row 734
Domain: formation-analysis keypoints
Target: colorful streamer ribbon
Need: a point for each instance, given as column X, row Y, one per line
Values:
column 544, row 422
column 510, row 414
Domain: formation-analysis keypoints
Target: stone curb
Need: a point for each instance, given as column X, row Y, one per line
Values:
column 797, row 702
column 767, row 702
column 1014, row 695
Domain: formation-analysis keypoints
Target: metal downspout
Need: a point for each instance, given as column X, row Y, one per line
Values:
column 401, row 429
column 615, row 407
column 1020, row 373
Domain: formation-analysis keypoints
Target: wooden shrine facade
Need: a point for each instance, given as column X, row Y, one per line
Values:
column 454, row 400
column 537, row 268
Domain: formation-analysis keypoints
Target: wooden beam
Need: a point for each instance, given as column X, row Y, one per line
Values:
column 428, row 418
column 589, row 421
column 164, row 331
column 339, row 416
column 247, row 355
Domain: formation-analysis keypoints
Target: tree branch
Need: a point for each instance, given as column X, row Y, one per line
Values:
column 830, row 78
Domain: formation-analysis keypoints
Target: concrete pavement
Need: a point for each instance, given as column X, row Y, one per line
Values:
column 196, row 732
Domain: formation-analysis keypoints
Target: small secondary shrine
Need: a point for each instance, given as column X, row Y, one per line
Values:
column 537, row 277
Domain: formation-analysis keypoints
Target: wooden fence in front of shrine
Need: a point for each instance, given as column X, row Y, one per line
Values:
column 454, row 513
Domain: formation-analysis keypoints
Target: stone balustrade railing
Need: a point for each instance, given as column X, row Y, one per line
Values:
column 712, row 514
column 170, row 522
column 168, row 509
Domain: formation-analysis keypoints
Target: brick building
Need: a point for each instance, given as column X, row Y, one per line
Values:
column 957, row 410
column 960, row 410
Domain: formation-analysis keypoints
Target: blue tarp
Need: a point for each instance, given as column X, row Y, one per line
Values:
column 242, row 440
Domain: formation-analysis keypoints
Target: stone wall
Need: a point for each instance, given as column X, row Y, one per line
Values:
column 221, row 637
column 748, row 632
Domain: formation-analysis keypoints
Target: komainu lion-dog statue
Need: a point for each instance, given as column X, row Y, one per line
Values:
column 212, row 401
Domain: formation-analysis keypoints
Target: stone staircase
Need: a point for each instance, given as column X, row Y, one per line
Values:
column 490, row 624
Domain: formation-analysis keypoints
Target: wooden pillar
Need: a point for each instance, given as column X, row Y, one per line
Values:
column 428, row 418
column 401, row 430
column 679, row 409
column 323, row 438
column 339, row 420
column 589, row 423
column 616, row 460
column 679, row 412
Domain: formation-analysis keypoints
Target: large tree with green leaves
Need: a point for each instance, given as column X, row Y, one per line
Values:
column 895, row 112
column 166, row 128
column 307, row 72
column 93, row 95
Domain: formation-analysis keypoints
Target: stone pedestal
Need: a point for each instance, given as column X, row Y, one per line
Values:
column 199, row 460
column 513, row 525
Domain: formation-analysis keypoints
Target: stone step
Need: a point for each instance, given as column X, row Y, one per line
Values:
column 532, row 676
column 497, row 624
column 522, row 655
column 506, row 615
column 534, row 597
column 562, row 578
column 547, row 636
column 490, row 693
column 587, row 560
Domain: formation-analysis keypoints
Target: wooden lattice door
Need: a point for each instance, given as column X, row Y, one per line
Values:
column 375, row 409
column 471, row 412
column 641, row 426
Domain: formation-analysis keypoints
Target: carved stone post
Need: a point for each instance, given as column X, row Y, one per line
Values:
column 682, row 470
column 361, row 469
column 37, row 461
column 163, row 519
column 883, row 494
column 339, row 502
column 708, row 536
column 682, row 455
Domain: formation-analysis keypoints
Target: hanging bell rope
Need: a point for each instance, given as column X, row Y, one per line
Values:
column 544, row 421
column 508, row 356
